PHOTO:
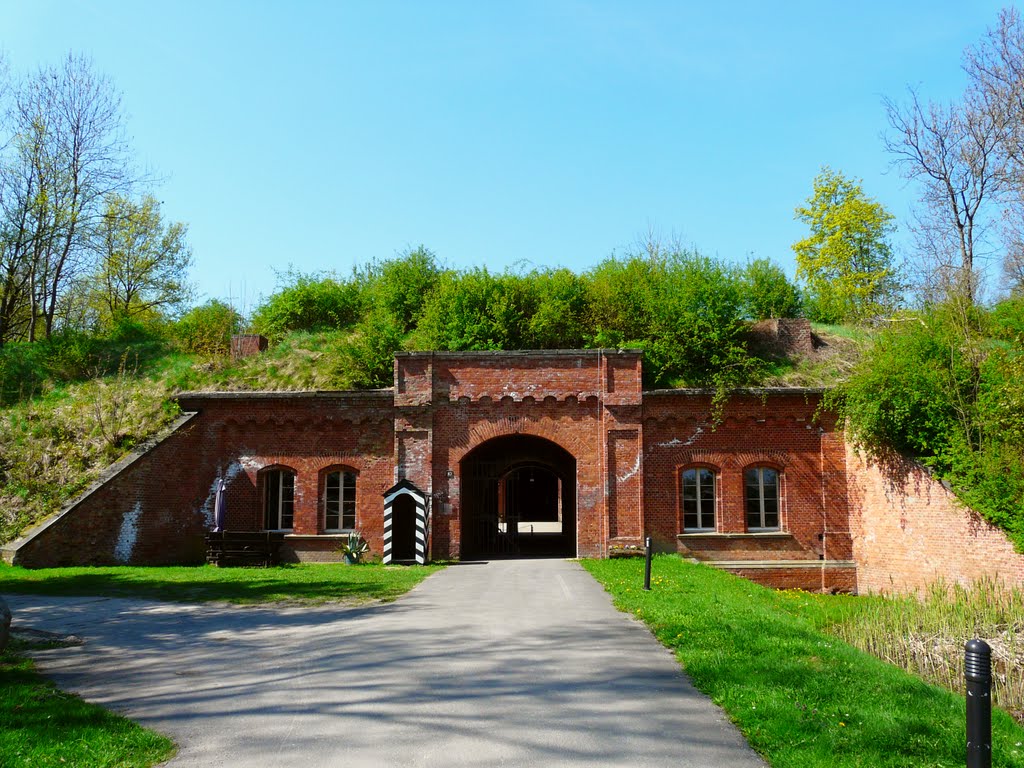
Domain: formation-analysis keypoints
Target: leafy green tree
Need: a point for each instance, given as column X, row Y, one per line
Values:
column 697, row 333
column 767, row 292
column 846, row 259
column 143, row 263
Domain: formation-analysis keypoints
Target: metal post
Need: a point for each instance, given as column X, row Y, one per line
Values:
column 978, row 673
column 647, row 564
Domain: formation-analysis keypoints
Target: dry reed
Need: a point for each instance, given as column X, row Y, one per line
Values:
column 925, row 634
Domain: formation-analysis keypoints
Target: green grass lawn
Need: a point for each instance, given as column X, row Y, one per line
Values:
column 802, row 697
column 41, row 726
column 306, row 582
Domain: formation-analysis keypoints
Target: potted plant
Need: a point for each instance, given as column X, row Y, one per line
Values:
column 353, row 548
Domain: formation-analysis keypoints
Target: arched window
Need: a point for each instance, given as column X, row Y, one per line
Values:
column 762, row 495
column 278, row 499
column 339, row 495
column 698, row 499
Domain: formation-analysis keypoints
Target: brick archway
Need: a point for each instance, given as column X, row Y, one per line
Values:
column 518, row 499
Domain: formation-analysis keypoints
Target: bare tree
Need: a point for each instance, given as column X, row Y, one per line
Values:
column 996, row 69
column 955, row 152
column 68, row 124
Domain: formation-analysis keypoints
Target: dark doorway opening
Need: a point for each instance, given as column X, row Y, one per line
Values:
column 518, row 499
column 403, row 529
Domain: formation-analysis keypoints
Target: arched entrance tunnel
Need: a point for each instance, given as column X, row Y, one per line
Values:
column 518, row 499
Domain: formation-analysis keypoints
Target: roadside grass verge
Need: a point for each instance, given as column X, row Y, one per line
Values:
column 802, row 697
column 42, row 726
column 304, row 582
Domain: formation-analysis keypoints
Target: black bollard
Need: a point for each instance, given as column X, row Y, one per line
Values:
column 647, row 564
column 978, row 673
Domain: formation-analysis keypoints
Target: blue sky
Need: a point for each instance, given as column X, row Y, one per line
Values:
column 326, row 134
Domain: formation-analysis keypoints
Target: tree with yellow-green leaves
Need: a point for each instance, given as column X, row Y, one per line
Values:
column 143, row 262
column 846, row 260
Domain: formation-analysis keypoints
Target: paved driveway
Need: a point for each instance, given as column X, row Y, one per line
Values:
column 513, row 663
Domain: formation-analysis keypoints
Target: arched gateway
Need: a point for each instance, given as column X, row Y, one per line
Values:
column 518, row 499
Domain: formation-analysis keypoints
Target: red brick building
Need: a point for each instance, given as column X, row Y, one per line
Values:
column 516, row 453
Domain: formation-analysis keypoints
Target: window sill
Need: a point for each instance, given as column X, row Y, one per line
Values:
column 330, row 535
column 742, row 535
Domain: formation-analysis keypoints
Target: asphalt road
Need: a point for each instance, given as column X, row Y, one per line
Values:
column 506, row 663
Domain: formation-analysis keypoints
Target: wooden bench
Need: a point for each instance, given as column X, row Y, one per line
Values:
column 231, row 548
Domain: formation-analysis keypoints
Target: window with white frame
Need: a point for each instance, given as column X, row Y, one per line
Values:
column 762, row 494
column 340, row 501
column 279, row 499
column 698, row 499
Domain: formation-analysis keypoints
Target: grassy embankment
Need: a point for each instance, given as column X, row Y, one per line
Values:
column 801, row 695
column 62, row 423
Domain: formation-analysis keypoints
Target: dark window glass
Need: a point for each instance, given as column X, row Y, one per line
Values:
column 762, row 497
column 279, row 502
column 340, row 501
column 698, row 499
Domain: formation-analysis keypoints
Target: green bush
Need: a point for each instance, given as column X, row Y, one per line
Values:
column 823, row 307
column 308, row 303
column 1007, row 320
column 621, row 299
column 934, row 386
column 902, row 394
column 767, row 292
column 207, row 329
column 697, row 329
column 559, row 319
column 399, row 287
column 477, row 310
column 368, row 359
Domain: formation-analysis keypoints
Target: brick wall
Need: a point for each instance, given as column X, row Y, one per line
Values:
column 587, row 403
column 156, row 510
column 247, row 345
column 112, row 521
column 780, row 429
column 909, row 531
column 783, row 336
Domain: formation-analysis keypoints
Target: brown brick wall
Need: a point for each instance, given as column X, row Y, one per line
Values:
column 778, row 430
column 584, row 402
column 840, row 579
column 120, row 521
column 909, row 531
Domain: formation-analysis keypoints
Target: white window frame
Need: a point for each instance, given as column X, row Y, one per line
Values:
column 274, row 509
column 343, row 501
column 761, row 499
column 701, row 512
